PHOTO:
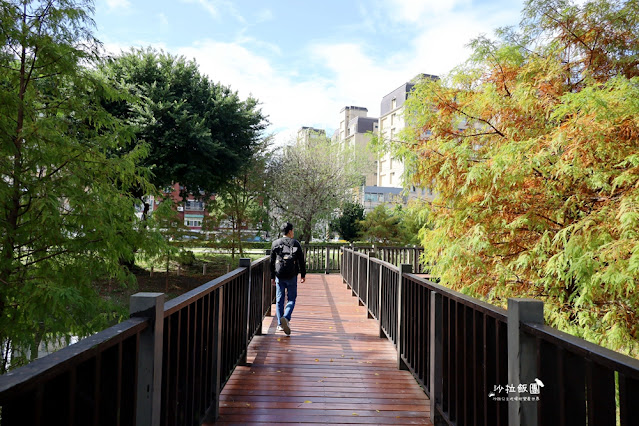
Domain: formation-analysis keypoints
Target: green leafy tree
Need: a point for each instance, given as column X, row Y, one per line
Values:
column 537, row 183
column 382, row 225
column 65, row 212
column 347, row 225
column 170, row 226
column 240, row 200
column 309, row 181
column 414, row 221
column 199, row 133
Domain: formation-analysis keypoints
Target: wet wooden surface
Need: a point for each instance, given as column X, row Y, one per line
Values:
column 332, row 369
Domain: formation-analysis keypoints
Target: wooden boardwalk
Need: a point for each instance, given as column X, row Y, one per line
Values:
column 333, row 369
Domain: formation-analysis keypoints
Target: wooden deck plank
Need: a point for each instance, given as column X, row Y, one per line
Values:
column 333, row 369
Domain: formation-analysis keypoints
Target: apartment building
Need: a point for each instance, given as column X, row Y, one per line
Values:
column 390, row 170
column 355, row 132
column 306, row 135
column 191, row 212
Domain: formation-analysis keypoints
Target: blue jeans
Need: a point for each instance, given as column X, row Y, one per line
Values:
column 285, row 287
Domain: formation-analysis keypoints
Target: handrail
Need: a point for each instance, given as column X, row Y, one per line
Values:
column 479, row 305
column 195, row 341
column 588, row 350
column 21, row 379
column 184, row 299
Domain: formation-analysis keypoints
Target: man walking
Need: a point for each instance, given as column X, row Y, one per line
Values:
column 287, row 260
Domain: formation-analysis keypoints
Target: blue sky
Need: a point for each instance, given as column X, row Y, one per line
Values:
column 305, row 60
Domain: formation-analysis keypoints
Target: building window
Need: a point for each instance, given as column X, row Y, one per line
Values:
column 371, row 197
column 390, row 177
column 391, row 162
column 194, row 205
column 190, row 222
column 393, row 118
column 394, row 103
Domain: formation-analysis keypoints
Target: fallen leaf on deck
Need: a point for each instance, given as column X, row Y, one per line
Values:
column 316, row 360
column 355, row 414
column 308, row 402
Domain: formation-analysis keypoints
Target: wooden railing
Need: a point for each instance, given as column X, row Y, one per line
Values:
column 322, row 258
column 328, row 258
column 483, row 365
column 166, row 365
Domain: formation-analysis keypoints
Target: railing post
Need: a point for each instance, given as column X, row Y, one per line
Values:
column 403, row 269
column 149, row 389
column 522, row 357
column 326, row 265
column 368, row 284
column 379, row 301
column 213, row 410
column 436, row 355
column 352, row 268
column 246, row 263
column 269, row 286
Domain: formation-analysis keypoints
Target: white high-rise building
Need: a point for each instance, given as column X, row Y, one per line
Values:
column 307, row 135
column 355, row 132
column 390, row 171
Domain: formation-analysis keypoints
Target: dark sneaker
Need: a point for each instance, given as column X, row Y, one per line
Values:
column 285, row 326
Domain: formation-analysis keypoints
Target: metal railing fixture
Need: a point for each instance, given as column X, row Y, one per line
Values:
column 166, row 365
column 483, row 365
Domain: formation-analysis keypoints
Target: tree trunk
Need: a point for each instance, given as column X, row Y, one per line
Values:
column 307, row 232
column 166, row 279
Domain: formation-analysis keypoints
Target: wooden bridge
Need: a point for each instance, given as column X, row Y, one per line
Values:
column 333, row 369
column 368, row 346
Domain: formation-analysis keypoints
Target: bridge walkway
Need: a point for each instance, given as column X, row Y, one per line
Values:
column 333, row 368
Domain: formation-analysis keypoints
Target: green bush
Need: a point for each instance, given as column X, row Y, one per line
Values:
column 186, row 258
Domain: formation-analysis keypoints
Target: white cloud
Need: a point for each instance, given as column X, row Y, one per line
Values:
column 264, row 15
column 289, row 102
column 416, row 11
column 118, row 4
column 209, row 5
column 217, row 7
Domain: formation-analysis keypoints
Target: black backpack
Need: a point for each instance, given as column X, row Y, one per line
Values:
column 285, row 260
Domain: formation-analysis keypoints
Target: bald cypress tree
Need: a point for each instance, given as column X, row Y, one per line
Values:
column 65, row 213
column 532, row 149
